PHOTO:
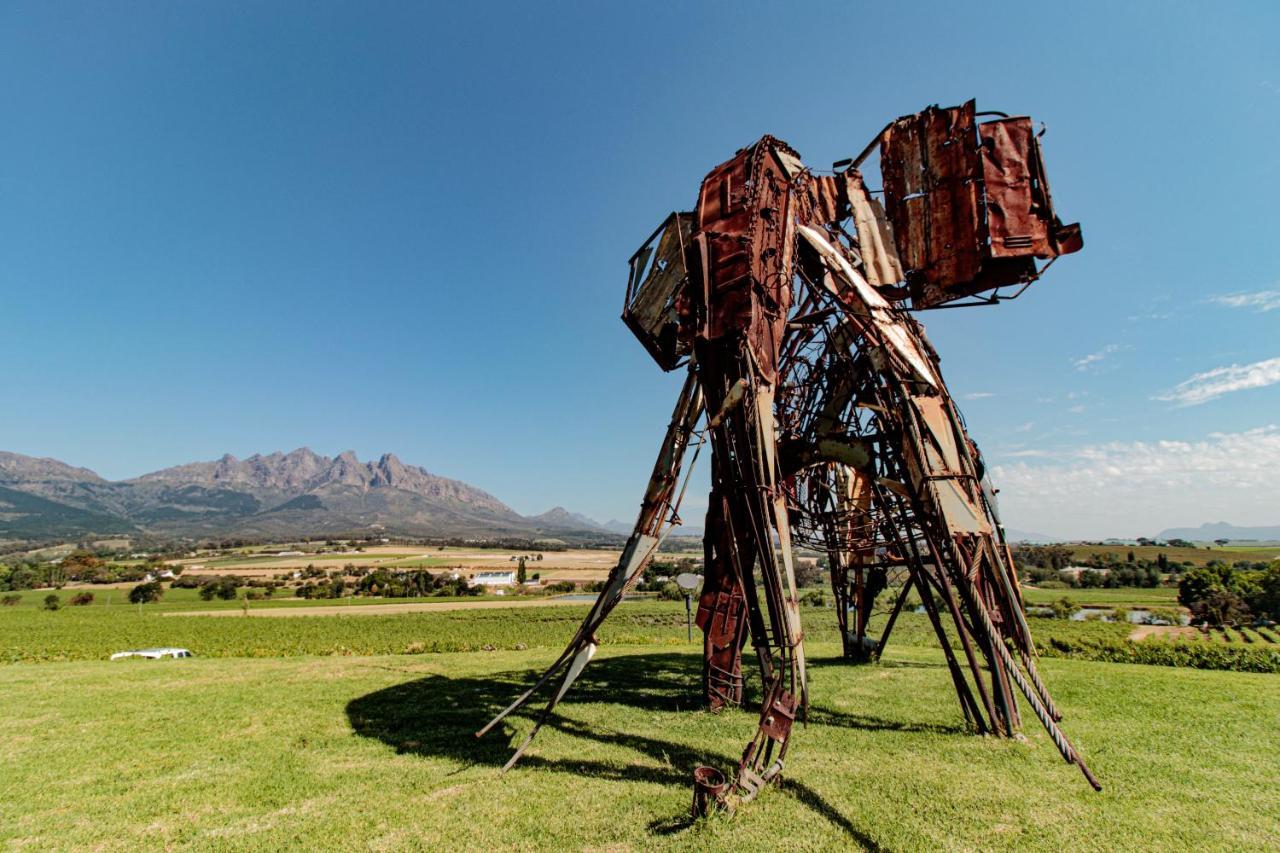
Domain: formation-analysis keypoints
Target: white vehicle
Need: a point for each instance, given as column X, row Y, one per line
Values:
column 152, row 654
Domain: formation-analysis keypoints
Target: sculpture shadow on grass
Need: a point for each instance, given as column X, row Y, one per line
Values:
column 438, row 716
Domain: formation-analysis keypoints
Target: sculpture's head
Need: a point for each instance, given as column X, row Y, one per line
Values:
column 966, row 211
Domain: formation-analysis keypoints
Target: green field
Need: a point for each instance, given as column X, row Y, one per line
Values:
column 94, row 632
column 1160, row 596
column 376, row 752
column 1197, row 556
column 341, row 731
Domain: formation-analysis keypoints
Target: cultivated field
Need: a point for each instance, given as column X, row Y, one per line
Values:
column 580, row 564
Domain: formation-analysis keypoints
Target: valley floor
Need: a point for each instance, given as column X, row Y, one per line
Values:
column 377, row 752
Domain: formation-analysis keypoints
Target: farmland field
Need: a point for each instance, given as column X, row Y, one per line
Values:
column 1197, row 556
column 578, row 564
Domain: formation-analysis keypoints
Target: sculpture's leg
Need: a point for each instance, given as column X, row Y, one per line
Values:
column 940, row 513
column 745, row 476
column 722, row 613
column 657, row 516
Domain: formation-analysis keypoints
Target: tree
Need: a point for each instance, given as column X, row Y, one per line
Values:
column 1198, row 582
column 1221, row 543
column 807, row 573
column 146, row 593
column 520, row 573
column 1219, row 607
column 51, row 601
column 80, row 599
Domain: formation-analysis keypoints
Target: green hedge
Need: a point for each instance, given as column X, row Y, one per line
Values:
column 1237, row 658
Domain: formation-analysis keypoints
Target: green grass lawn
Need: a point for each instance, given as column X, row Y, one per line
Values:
column 377, row 752
column 1160, row 596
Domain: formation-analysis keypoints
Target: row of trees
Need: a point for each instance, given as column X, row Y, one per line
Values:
column 77, row 567
column 409, row 584
column 1221, row 594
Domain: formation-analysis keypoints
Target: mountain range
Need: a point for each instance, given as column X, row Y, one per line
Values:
column 1221, row 530
column 277, row 495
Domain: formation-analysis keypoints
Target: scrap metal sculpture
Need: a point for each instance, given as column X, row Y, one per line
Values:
column 786, row 296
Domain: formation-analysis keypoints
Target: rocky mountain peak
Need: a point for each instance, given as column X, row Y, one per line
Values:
column 16, row 467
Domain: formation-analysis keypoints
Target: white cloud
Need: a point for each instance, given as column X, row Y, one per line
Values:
column 1260, row 300
column 1026, row 427
column 1140, row 488
column 1203, row 387
column 1093, row 360
column 978, row 395
column 1077, row 410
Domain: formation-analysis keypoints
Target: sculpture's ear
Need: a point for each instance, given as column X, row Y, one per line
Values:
column 655, row 285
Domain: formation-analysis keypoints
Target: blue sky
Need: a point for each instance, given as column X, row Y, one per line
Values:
column 396, row 227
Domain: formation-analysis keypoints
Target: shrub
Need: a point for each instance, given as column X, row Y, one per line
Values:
column 1063, row 608
column 80, row 599
column 146, row 593
column 10, row 600
column 1156, row 615
column 814, row 598
column 1219, row 607
column 51, row 602
column 807, row 573
column 670, row 591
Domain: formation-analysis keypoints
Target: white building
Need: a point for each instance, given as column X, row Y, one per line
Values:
column 493, row 579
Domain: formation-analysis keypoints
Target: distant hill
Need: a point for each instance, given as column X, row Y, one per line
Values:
column 559, row 518
column 1013, row 535
column 1221, row 530
column 276, row 495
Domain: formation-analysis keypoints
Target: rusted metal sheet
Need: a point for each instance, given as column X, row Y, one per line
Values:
column 969, row 203
column 1020, row 214
column 829, row 421
column 880, row 261
column 931, row 184
column 742, row 249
